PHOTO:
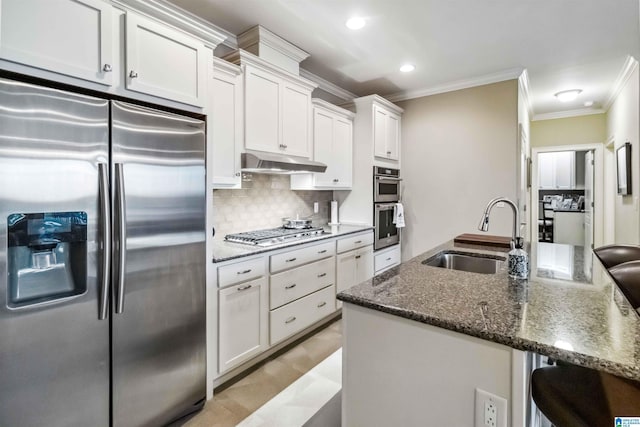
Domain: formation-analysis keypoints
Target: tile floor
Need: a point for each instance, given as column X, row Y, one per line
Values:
column 238, row 400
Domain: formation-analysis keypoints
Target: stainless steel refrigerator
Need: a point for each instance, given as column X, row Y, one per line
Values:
column 102, row 261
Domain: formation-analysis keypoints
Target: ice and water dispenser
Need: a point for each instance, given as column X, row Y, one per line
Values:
column 47, row 257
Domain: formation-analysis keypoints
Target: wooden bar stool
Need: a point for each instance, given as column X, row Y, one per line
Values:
column 574, row 396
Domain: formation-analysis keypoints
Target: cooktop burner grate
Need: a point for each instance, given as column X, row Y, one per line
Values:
column 273, row 236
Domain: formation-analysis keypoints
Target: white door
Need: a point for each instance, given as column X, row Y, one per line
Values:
column 296, row 120
column 164, row 62
column 343, row 152
column 588, row 214
column 225, row 130
column 262, row 111
column 380, row 116
column 242, row 324
column 323, row 147
column 393, row 137
column 71, row 37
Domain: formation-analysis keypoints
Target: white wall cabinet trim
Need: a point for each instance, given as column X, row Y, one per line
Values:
column 164, row 62
column 78, row 45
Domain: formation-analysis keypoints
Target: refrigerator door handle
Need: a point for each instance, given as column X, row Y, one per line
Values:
column 105, row 211
column 120, row 213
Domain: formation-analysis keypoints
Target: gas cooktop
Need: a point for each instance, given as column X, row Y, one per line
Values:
column 274, row 236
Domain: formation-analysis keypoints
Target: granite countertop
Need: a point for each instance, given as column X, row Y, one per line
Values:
column 225, row 251
column 577, row 323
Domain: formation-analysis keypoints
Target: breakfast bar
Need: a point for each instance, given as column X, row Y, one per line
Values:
column 441, row 333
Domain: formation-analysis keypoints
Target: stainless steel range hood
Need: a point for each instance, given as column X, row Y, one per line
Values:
column 257, row 162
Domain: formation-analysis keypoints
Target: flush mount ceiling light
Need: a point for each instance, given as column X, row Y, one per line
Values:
column 355, row 23
column 568, row 95
column 407, row 68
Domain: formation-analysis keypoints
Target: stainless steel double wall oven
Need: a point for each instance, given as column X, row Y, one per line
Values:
column 386, row 193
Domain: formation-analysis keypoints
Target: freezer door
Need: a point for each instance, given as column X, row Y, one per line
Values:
column 158, row 322
column 54, row 349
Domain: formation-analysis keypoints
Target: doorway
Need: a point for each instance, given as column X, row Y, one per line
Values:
column 566, row 193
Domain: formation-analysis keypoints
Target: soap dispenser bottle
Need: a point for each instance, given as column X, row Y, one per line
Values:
column 518, row 260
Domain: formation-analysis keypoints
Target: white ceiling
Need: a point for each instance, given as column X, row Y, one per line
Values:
column 563, row 44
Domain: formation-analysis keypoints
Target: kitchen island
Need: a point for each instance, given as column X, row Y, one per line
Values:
column 440, row 334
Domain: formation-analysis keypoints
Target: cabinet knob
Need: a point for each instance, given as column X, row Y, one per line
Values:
column 107, row 68
column 388, row 153
column 133, row 75
column 335, row 180
column 290, row 319
column 322, row 304
column 358, row 256
column 245, row 287
column 290, row 286
column 322, row 275
column 237, row 173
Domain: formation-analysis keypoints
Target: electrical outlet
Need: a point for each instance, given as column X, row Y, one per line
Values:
column 490, row 410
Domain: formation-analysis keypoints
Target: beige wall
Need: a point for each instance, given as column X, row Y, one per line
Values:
column 591, row 129
column 458, row 152
column 623, row 125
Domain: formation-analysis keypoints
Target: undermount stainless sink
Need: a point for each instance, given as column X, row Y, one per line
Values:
column 474, row 263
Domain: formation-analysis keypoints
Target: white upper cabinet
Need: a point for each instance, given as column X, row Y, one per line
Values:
column 70, row 37
column 333, row 146
column 226, row 124
column 262, row 107
column 296, row 119
column 556, row 170
column 277, row 107
column 386, row 133
column 164, row 62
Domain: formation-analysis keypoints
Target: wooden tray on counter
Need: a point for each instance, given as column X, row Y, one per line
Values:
column 484, row 239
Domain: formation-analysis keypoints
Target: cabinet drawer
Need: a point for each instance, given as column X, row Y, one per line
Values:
column 355, row 242
column 386, row 259
column 298, row 282
column 294, row 317
column 302, row 256
column 240, row 272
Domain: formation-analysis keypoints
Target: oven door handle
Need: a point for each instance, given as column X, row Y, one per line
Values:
column 390, row 178
column 384, row 206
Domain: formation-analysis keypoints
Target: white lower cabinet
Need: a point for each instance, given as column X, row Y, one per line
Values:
column 386, row 258
column 297, row 315
column 353, row 266
column 298, row 282
column 242, row 322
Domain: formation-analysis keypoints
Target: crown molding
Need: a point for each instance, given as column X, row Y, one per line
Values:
column 260, row 35
column 373, row 99
column 629, row 66
column 568, row 113
column 317, row 102
column 243, row 58
column 226, row 67
column 327, row 86
column 168, row 13
column 523, row 84
column 510, row 74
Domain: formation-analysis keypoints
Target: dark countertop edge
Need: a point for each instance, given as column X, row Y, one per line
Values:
column 257, row 250
column 569, row 356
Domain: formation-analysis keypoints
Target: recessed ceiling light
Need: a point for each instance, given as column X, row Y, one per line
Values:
column 355, row 23
column 407, row 68
column 588, row 103
column 568, row 95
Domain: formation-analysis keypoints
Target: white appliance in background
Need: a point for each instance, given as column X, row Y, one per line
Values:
column 102, row 261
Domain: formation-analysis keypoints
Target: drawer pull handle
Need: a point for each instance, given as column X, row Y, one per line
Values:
column 322, row 274
column 322, row 304
column 244, row 272
column 290, row 319
column 322, row 251
column 358, row 256
column 290, row 286
column 389, row 259
column 358, row 242
column 245, row 287
column 290, row 259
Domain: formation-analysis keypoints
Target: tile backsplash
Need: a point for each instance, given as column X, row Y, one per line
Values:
column 262, row 203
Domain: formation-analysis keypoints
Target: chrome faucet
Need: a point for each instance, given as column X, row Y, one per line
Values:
column 516, row 240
